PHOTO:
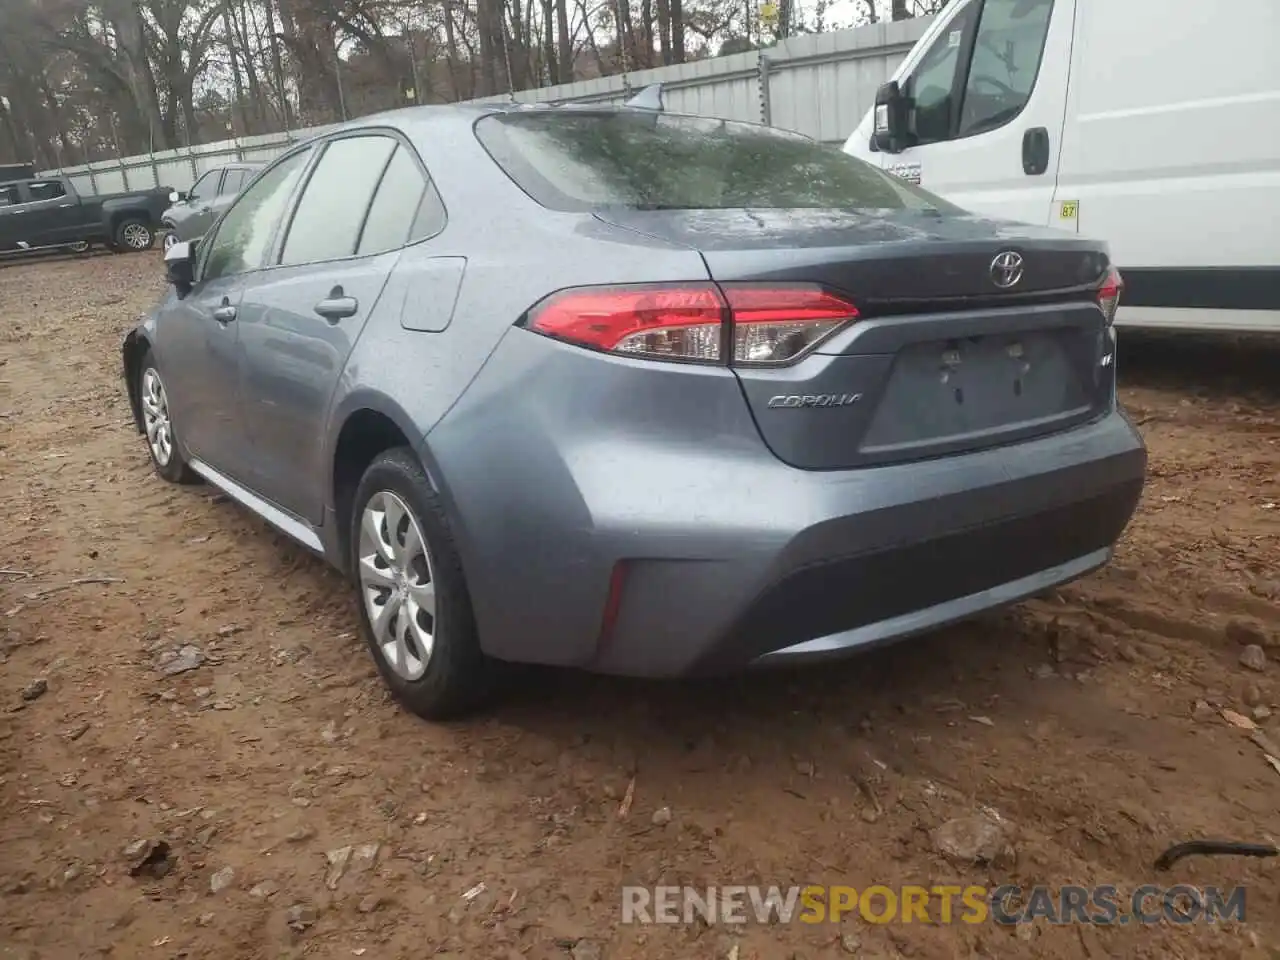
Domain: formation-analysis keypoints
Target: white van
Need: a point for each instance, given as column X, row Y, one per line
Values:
column 1152, row 124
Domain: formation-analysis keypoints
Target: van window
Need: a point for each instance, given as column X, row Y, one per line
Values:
column 934, row 83
column 1006, row 59
column 980, row 70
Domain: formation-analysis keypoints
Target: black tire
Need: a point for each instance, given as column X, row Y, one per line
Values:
column 133, row 235
column 458, row 677
column 175, row 470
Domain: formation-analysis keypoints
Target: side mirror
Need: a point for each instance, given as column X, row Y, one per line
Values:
column 174, row 196
column 891, row 118
column 180, row 265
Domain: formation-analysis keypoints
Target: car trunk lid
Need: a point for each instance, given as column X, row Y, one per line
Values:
column 942, row 359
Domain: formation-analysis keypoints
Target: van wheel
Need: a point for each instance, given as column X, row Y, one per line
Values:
column 134, row 234
column 414, row 607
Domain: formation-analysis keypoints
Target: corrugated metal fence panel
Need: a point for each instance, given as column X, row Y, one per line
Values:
column 107, row 180
column 820, row 85
column 175, row 173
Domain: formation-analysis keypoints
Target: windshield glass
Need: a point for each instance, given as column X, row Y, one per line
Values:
column 571, row 160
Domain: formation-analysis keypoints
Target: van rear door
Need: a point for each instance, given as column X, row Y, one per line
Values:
column 989, row 92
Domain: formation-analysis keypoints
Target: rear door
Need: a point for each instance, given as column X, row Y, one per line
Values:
column 9, row 200
column 301, row 318
column 990, row 97
column 55, row 212
column 32, row 220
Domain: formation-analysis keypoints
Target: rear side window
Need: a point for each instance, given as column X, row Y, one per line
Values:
column 326, row 225
column 8, row 196
column 582, row 161
column 394, row 205
column 46, row 190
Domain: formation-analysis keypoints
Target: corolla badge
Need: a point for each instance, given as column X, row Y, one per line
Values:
column 1006, row 269
column 796, row 401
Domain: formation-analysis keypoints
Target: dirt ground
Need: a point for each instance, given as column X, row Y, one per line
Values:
column 1091, row 721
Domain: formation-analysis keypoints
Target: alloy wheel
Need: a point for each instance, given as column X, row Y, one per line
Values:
column 155, row 417
column 397, row 585
column 137, row 236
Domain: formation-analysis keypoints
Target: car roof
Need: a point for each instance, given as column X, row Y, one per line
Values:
column 420, row 118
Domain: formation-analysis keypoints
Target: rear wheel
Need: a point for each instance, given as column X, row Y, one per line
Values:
column 162, row 440
column 170, row 238
column 414, row 607
column 134, row 234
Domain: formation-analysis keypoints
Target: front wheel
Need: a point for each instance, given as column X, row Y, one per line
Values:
column 134, row 234
column 415, row 610
column 157, row 422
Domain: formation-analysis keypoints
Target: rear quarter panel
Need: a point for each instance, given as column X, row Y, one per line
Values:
column 516, row 252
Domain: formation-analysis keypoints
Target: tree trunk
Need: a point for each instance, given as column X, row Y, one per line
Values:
column 489, row 51
column 451, row 46
column 126, row 20
column 551, row 69
column 565, row 57
column 277, row 62
column 677, row 31
column 237, row 83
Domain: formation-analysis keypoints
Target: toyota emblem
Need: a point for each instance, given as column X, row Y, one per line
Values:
column 1006, row 269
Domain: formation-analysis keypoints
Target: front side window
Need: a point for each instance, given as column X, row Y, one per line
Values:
column 326, row 225
column 243, row 238
column 206, row 186
column 8, row 196
column 1006, row 59
column 232, row 181
column 583, row 161
column 46, row 190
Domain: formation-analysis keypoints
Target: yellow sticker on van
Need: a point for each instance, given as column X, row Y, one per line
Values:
column 1069, row 209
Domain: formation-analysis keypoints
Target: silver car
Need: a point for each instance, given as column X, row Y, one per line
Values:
column 639, row 393
column 191, row 216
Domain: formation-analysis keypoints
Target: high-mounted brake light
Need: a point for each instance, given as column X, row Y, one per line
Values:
column 1109, row 294
column 770, row 323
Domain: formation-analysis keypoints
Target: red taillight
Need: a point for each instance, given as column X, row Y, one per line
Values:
column 770, row 323
column 1109, row 293
column 776, row 324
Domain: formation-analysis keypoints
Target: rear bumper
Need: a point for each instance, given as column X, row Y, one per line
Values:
column 855, row 580
column 714, row 555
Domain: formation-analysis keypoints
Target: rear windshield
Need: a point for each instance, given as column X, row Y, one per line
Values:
column 569, row 160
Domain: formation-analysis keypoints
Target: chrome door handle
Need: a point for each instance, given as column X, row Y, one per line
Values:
column 224, row 314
